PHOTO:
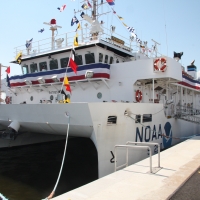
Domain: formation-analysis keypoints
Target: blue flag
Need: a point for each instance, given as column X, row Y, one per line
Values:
column 8, row 81
column 74, row 20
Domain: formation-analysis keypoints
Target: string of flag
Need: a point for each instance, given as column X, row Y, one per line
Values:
column 130, row 29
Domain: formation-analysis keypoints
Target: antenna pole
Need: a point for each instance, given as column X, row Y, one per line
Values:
column 94, row 11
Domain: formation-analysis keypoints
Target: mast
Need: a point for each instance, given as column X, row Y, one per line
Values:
column 94, row 11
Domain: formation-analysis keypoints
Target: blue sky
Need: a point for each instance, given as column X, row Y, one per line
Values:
column 173, row 23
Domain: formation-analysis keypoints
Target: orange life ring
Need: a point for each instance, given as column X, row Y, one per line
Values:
column 7, row 100
column 138, row 95
column 163, row 62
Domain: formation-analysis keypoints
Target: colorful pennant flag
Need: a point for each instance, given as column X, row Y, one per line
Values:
column 89, row 4
column 110, row 2
column 61, row 8
column 82, row 14
column 72, row 63
column 18, row 58
column 41, row 30
column 113, row 11
column 84, row 6
column 78, row 27
column 29, row 43
column 8, row 70
column 8, row 80
column 131, row 29
column 124, row 24
column 74, row 20
column 121, row 18
column 76, row 40
column 66, row 84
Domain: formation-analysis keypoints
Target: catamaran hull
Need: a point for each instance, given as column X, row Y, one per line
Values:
column 91, row 120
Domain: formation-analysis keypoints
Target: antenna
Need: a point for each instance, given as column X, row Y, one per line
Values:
column 53, row 28
column 155, row 46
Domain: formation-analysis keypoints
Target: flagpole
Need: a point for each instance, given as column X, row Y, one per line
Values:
column 66, row 71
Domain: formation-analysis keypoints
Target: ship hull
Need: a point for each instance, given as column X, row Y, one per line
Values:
column 91, row 120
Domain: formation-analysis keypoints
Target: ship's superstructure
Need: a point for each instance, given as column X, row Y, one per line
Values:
column 122, row 91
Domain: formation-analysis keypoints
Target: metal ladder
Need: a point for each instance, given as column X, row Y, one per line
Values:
column 186, row 113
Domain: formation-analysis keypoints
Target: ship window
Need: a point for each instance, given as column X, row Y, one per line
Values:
column 64, row 62
column 53, row 64
column 33, row 67
column 25, row 69
column 111, row 60
column 112, row 120
column 100, row 57
column 89, row 58
column 147, row 118
column 78, row 59
column 138, row 119
column 106, row 59
column 43, row 66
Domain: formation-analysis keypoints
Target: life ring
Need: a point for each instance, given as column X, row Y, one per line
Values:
column 138, row 95
column 163, row 66
column 7, row 100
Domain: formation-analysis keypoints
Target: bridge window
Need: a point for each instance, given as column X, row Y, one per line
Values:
column 112, row 120
column 78, row 60
column 53, row 64
column 138, row 119
column 111, row 60
column 147, row 117
column 106, row 59
column 89, row 58
column 100, row 57
column 25, row 69
column 64, row 62
column 43, row 66
column 33, row 67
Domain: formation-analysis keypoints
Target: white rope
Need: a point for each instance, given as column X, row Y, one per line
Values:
column 54, row 189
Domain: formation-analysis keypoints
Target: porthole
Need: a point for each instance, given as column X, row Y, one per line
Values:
column 31, row 98
column 99, row 95
column 51, row 97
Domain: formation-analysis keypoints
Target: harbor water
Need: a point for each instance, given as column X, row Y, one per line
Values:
column 30, row 172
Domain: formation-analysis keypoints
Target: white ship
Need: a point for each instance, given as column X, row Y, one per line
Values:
column 122, row 91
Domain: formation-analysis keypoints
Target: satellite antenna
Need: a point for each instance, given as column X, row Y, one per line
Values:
column 155, row 46
column 53, row 28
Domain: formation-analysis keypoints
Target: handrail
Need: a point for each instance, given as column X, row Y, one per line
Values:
column 150, row 144
column 134, row 147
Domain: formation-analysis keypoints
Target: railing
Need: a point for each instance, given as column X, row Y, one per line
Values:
column 187, row 113
column 149, row 144
column 85, row 37
column 133, row 147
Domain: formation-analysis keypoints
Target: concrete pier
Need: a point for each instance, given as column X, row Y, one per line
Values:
column 178, row 164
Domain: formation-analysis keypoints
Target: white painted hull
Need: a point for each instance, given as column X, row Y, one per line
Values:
column 90, row 120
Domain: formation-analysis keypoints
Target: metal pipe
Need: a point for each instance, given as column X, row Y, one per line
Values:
column 150, row 144
column 134, row 147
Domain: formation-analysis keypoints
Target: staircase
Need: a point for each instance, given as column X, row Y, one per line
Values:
column 187, row 113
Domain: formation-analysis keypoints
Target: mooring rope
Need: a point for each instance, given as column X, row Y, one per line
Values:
column 54, row 189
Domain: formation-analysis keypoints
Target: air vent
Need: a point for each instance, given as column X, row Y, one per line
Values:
column 112, row 120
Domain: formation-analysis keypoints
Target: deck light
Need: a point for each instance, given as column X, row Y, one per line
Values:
column 55, row 79
column 28, row 82
column 89, row 74
column 41, row 80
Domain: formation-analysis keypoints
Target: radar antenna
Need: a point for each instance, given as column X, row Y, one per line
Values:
column 53, row 27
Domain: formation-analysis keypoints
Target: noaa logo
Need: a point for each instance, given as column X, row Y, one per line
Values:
column 167, row 141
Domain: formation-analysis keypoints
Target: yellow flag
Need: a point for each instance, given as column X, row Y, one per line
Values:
column 76, row 40
column 124, row 24
column 121, row 18
column 78, row 27
column 66, row 82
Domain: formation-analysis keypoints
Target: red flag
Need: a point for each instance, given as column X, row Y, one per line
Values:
column 8, row 70
column 73, row 65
